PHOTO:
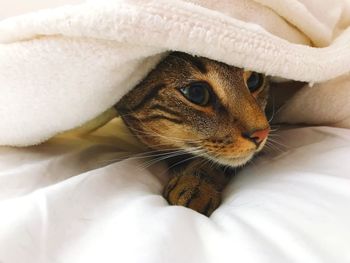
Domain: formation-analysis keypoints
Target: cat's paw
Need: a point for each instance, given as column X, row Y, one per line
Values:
column 194, row 192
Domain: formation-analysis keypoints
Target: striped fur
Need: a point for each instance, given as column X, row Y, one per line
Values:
column 164, row 119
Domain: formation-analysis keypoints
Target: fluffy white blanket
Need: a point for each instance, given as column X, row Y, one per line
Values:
column 60, row 68
column 61, row 203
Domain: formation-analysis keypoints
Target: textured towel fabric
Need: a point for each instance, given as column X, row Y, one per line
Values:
column 60, row 68
column 61, row 202
column 325, row 103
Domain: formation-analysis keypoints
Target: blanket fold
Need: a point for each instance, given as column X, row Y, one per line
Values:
column 60, row 68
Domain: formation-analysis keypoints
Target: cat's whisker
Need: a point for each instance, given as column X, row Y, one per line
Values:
column 273, row 147
column 198, row 154
column 157, row 160
column 274, row 127
column 271, row 142
column 278, row 143
column 148, row 134
column 157, row 135
column 274, row 134
column 143, row 155
column 273, row 110
column 154, row 161
column 252, row 164
column 273, row 131
column 270, row 149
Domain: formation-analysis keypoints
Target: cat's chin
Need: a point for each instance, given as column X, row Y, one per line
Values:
column 232, row 162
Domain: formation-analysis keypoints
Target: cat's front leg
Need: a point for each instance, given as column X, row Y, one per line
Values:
column 197, row 185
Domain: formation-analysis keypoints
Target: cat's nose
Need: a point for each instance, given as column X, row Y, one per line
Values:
column 257, row 136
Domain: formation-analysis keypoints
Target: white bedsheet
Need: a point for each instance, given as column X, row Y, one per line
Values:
column 61, row 202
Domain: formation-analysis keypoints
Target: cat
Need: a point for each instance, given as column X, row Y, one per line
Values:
column 208, row 114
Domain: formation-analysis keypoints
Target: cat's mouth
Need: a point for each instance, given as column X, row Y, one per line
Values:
column 230, row 161
column 233, row 160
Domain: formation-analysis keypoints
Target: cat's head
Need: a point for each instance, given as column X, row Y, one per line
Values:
column 201, row 106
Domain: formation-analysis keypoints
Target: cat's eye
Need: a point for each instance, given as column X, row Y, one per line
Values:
column 197, row 93
column 255, row 81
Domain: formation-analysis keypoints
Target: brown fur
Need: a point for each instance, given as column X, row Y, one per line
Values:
column 164, row 119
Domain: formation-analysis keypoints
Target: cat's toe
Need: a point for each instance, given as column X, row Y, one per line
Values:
column 191, row 192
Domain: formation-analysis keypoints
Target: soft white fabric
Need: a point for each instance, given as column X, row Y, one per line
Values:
column 326, row 103
column 18, row 7
column 62, row 67
column 61, row 202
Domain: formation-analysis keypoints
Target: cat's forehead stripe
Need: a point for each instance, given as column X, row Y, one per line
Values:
column 150, row 95
column 219, row 88
column 199, row 64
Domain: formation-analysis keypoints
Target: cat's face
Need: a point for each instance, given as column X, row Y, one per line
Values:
column 200, row 106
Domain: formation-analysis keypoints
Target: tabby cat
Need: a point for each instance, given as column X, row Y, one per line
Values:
column 208, row 113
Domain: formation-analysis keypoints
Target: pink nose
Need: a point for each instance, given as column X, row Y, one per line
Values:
column 257, row 136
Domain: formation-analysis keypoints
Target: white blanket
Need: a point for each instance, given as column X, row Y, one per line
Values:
column 62, row 67
column 61, row 202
